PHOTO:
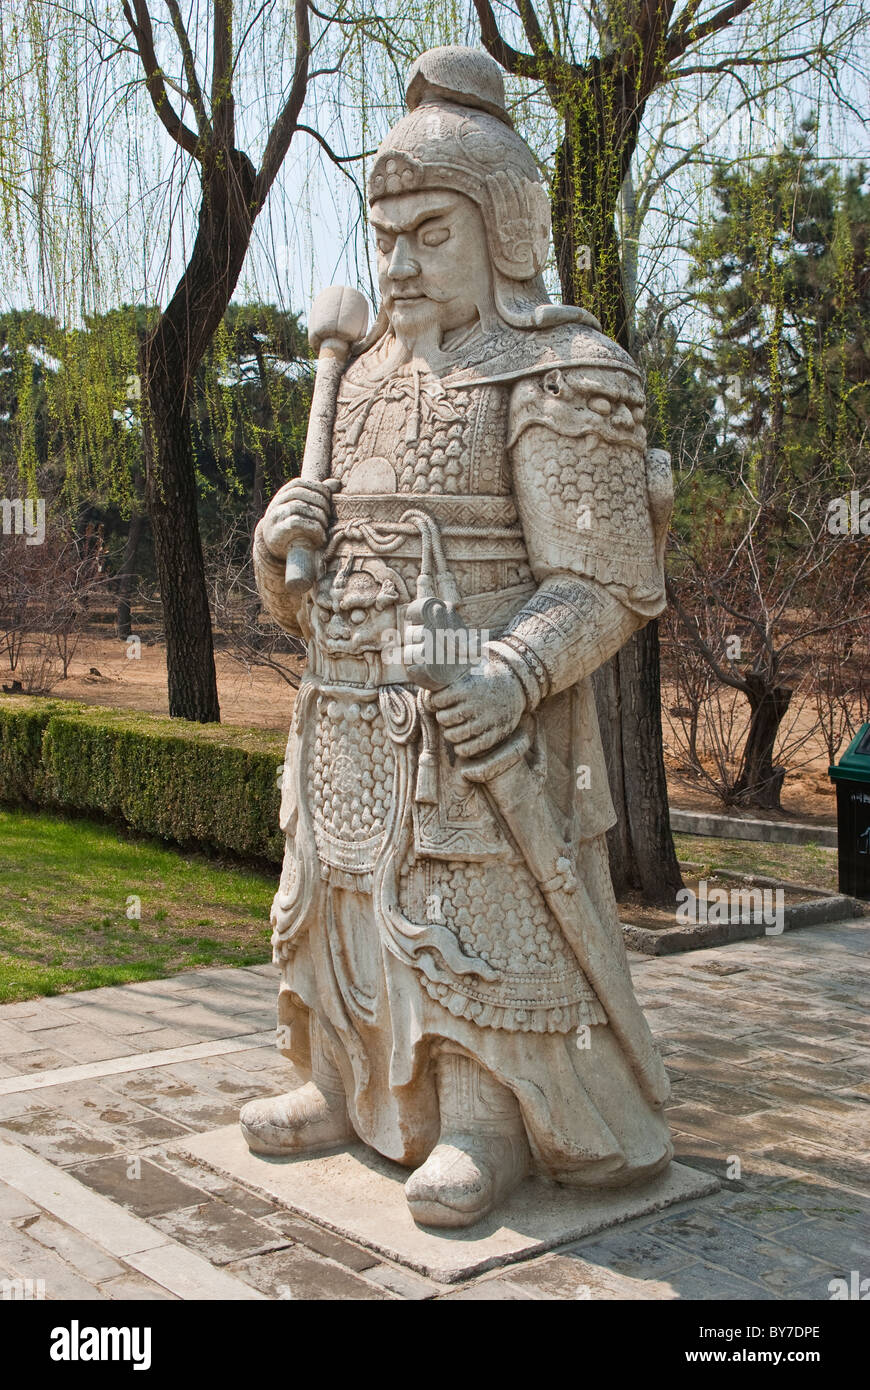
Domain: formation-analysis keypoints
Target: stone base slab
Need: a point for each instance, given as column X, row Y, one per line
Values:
column 359, row 1195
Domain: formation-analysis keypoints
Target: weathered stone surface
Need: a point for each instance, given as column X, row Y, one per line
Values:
column 748, row 828
column 55, row 1137
column 218, row 1231
column 491, row 1291
column 79, row 1252
column 83, row 1044
column 141, row 1187
column 770, row 1262
column 810, row 1199
column 325, row 1242
column 634, row 1252
column 14, row 1204
column 294, row 1273
column 133, row 1288
column 402, row 1282
column 360, row 1196
column 24, row 1258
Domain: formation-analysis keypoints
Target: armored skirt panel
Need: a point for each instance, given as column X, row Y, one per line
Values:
column 406, row 916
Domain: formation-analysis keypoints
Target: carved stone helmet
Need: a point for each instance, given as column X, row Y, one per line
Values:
column 458, row 135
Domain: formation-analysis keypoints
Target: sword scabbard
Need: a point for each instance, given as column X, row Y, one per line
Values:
column 520, row 800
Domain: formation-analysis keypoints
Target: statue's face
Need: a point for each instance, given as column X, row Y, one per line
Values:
column 433, row 262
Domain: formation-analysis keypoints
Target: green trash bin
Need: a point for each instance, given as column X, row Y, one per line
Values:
column 851, row 777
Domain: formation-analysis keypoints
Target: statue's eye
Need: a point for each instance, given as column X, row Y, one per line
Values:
column 600, row 404
column 434, row 236
column 324, row 614
column 637, row 412
column 357, row 615
column 384, row 245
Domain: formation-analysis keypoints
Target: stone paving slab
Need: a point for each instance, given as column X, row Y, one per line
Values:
column 296, row 1273
column 127, row 1062
column 134, row 1243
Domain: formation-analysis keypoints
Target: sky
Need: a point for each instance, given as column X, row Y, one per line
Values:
column 141, row 192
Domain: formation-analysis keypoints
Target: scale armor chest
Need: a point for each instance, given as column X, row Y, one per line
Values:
column 417, row 436
column 416, row 442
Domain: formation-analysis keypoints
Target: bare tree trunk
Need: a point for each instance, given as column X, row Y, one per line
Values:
column 652, row 865
column 591, row 163
column 759, row 782
column 598, row 140
column 127, row 573
column 605, row 683
column 170, row 357
column 178, row 554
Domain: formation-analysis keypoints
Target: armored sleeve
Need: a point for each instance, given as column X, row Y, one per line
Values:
column 594, row 507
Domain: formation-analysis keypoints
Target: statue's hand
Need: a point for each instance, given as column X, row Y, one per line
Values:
column 299, row 511
column 481, row 709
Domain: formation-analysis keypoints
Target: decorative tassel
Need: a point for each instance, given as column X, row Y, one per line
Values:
column 426, row 790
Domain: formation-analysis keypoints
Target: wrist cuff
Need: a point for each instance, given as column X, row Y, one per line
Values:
column 525, row 664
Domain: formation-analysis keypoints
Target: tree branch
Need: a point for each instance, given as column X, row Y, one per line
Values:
column 141, row 29
column 338, row 159
column 756, row 60
column 520, row 64
column 685, row 21
column 194, row 90
column 685, row 33
column 706, row 651
column 283, row 130
column 223, row 107
column 534, row 32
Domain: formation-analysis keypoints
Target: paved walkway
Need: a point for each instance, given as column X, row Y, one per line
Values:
column 766, row 1043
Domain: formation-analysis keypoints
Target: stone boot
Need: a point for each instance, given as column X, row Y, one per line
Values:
column 314, row 1116
column 482, row 1153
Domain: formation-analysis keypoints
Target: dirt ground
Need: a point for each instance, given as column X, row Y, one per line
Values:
column 807, row 796
column 808, row 793
column 101, row 673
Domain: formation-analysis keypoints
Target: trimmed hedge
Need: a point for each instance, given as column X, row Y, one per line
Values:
column 206, row 785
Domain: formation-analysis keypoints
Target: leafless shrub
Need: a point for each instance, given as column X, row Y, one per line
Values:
column 46, row 591
column 244, row 632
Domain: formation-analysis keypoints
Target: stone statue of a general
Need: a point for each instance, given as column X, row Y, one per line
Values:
column 454, row 981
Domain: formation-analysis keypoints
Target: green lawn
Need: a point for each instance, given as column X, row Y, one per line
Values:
column 65, row 887
column 812, row 865
column 65, row 891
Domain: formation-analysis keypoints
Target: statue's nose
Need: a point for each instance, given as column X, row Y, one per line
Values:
column 337, row 627
column 402, row 264
column 622, row 416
